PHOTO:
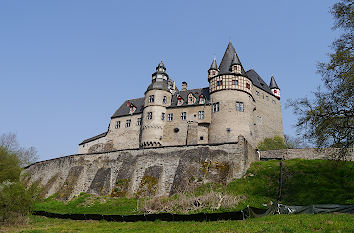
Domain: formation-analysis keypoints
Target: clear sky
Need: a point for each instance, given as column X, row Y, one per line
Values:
column 66, row 66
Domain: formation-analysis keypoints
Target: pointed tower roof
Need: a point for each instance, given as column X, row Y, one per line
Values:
column 273, row 83
column 214, row 65
column 230, row 57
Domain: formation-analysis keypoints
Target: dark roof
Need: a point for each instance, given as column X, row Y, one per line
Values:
column 123, row 110
column 214, row 65
column 195, row 92
column 258, row 81
column 227, row 60
column 158, row 85
column 273, row 83
column 94, row 138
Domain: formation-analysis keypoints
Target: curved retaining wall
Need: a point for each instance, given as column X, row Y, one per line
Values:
column 145, row 172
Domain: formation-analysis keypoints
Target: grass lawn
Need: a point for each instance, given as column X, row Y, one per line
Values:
column 274, row 223
column 305, row 182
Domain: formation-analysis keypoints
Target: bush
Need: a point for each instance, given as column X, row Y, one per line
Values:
column 15, row 200
column 274, row 143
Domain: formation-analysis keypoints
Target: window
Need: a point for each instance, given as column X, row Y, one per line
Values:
column 219, row 83
column 239, row 106
column 201, row 138
column 132, row 109
column 201, row 114
column 257, row 92
column 216, row 107
column 228, row 130
column 127, row 123
column 273, row 101
column 117, row 124
column 267, row 98
column 179, row 101
column 151, row 98
column 248, row 86
column 259, row 120
column 149, row 116
column 138, row 122
column 163, row 116
column 170, row 117
column 190, row 100
column 201, row 99
column 183, row 116
column 164, row 100
column 235, row 82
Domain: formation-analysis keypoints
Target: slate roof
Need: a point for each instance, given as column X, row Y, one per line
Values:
column 258, row 81
column 273, row 83
column 93, row 138
column 195, row 92
column 123, row 110
column 228, row 60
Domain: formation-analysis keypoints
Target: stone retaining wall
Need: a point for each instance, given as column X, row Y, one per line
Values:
column 145, row 172
column 307, row 153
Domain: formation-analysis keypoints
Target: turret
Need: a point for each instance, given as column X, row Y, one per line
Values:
column 213, row 70
column 274, row 87
column 157, row 98
column 236, row 66
column 231, row 99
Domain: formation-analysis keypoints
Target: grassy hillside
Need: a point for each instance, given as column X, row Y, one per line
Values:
column 305, row 182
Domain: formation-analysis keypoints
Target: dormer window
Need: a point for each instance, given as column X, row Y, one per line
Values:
column 179, row 101
column 235, row 82
column 132, row 109
column 191, row 99
column 201, row 99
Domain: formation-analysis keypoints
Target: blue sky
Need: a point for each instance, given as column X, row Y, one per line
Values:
column 66, row 66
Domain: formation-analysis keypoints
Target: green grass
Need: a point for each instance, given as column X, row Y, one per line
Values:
column 305, row 182
column 89, row 204
column 275, row 223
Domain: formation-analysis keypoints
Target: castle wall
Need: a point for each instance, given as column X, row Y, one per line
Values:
column 170, row 137
column 84, row 148
column 267, row 116
column 128, row 172
column 124, row 137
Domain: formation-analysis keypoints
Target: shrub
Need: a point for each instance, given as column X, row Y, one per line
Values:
column 274, row 143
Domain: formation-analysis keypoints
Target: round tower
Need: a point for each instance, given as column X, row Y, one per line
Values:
column 274, row 87
column 157, row 97
column 232, row 101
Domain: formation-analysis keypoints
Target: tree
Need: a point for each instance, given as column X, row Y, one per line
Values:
column 294, row 142
column 16, row 198
column 274, row 143
column 327, row 120
column 26, row 156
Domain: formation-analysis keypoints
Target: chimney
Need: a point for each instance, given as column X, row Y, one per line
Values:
column 184, row 86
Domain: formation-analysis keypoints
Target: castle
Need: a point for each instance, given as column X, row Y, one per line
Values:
column 235, row 103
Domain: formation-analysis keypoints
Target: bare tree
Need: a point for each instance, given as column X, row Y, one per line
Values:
column 26, row 156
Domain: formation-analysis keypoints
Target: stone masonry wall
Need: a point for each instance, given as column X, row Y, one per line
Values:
column 307, row 153
column 145, row 172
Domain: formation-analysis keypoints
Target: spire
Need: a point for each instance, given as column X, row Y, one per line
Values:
column 273, row 83
column 161, row 67
column 235, row 60
column 214, row 65
column 230, row 56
